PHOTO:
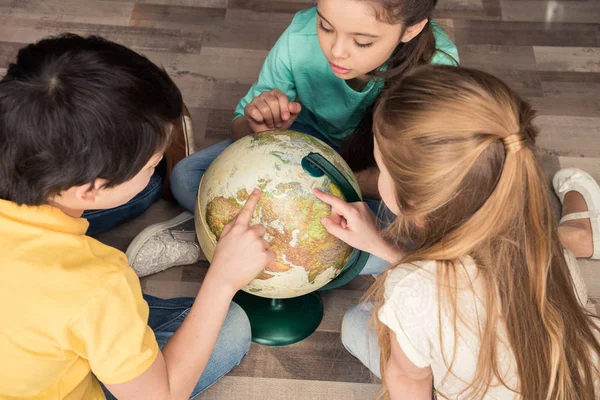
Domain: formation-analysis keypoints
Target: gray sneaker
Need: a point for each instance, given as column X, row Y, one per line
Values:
column 164, row 245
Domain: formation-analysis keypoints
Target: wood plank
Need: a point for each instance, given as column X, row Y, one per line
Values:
column 320, row 357
column 569, row 136
column 590, row 269
column 20, row 30
column 526, row 83
column 244, row 36
column 460, row 5
column 170, row 289
column 195, row 273
column 587, row 164
column 188, row 3
column 513, row 64
column 269, row 6
column 569, row 76
column 569, row 99
column 246, row 17
column 551, row 12
column 466, row 9
column 578, row 59
column 89, row 12
column 227, row 65
column 336, row 302
column 252, row 388
column 518, row 33
column 497, row 57
column 186, row 18
column 205, row 92
column 218, row 125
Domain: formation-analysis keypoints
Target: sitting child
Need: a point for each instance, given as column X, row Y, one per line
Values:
column 484, row 305
column 83, row 124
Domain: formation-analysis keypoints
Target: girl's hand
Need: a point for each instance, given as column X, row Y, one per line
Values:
column 242, row 252
column 271, row 110
column 355, row 224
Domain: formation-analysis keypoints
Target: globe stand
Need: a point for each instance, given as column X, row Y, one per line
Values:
column 279, row 322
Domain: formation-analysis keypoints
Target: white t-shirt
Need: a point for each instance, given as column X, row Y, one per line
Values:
column 411, row 311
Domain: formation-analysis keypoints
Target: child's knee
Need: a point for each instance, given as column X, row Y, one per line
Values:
column 238, row 329
column 351, row 327
column 183, row 187
column 179, row 175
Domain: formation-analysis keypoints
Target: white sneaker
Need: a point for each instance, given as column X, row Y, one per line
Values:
column 164, row 245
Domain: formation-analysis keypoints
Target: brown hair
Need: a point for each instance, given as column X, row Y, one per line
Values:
column 459, row 145
column 358, row 148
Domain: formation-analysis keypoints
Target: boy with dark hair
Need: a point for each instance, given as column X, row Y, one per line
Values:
column 83, row 124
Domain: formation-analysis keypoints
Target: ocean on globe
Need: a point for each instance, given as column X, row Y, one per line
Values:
column 307, row 256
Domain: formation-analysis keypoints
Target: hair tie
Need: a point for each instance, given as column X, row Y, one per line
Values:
column 513, row 143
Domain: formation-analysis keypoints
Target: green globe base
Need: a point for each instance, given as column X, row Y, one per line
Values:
column 279, row 322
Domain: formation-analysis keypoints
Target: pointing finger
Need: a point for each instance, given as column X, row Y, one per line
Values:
column 247, row 211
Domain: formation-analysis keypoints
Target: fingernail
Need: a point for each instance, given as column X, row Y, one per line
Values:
column 279, row 125
column 286, row 116
column 255, row 191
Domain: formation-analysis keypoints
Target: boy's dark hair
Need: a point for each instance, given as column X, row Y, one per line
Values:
column 74, row 109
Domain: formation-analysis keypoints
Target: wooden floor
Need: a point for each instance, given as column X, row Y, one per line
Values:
column 548, row 50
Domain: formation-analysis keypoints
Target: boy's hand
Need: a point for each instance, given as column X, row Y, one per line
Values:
column 355, row 224
column 242, row 252
column 271, row 110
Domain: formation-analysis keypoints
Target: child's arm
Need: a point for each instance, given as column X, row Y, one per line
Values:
column 403, row 378
column 355, row 224
column 240, row 128
column 367, row 181
column 179, row 365
column 270, row 102
column 269, row 110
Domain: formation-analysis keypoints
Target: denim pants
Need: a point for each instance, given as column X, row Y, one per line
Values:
column 186, row 176
column 232, row 345
column 359, row 336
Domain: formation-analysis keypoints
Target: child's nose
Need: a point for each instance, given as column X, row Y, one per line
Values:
column 338, row 50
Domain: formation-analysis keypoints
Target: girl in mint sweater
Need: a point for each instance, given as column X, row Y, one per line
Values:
column 322, row 78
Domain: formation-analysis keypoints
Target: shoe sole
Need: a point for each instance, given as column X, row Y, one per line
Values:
column 142, row 237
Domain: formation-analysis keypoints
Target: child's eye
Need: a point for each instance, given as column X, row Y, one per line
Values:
column 323, row 27
column 363, row 45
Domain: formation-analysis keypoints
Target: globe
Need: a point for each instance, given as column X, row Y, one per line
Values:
column 307, row 256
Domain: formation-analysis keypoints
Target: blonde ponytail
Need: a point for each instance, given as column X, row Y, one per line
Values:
column 460, row 147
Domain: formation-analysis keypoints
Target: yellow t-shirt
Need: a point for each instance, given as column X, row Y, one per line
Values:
column 70, row 308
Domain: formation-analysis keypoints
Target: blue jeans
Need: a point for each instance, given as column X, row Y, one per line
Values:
column 186, row 176
column 359, row 336
column 231, row 347
column 103, row 220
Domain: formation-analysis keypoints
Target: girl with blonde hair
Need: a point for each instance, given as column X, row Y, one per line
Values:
column 482, row 303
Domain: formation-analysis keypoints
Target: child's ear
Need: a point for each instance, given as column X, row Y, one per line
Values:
column 88, row 192
column 413, row 31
